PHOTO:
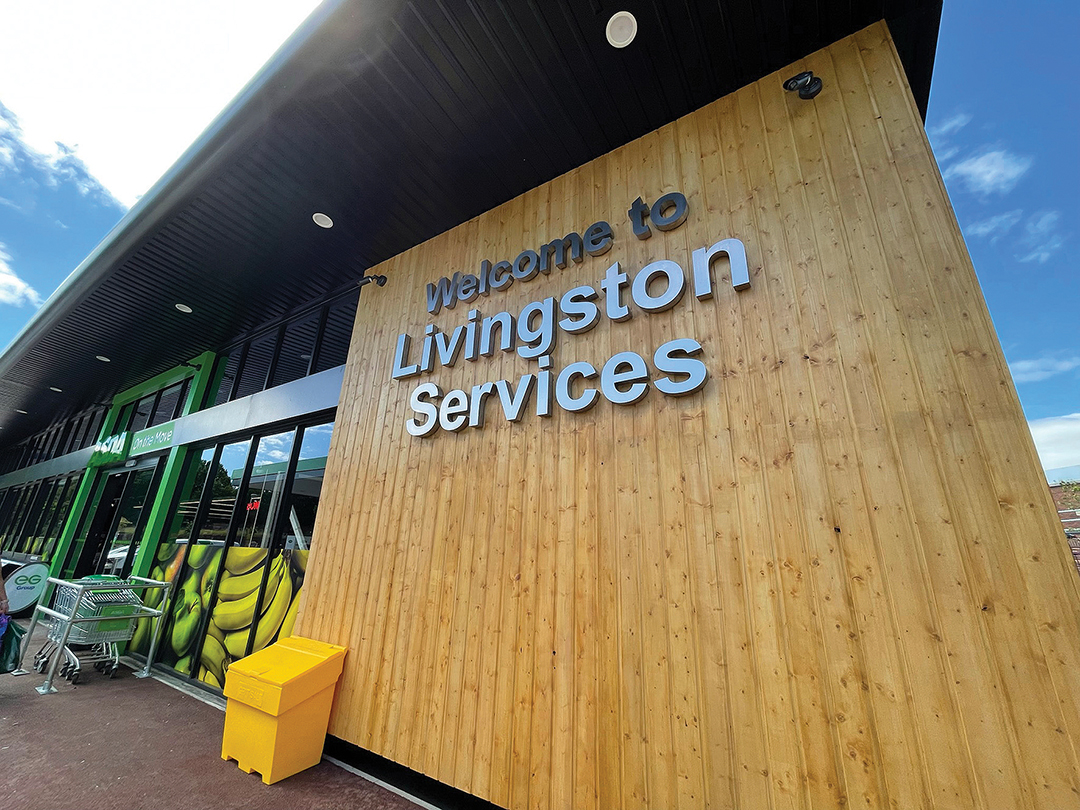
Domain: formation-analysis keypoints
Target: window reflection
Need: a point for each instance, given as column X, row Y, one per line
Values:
column 265, row 489
column 223, row 489
column 190, row 491
column 307, row 486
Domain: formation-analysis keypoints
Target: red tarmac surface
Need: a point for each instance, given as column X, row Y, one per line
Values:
column 141, row 744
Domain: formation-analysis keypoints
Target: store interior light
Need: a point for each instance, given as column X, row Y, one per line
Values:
column 19, row 410
column 183, row 308
column 103, row 358
column 57, row 390
column 322, row 220
column 621, row 29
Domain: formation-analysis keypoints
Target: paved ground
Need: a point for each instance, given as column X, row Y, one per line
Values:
column 139, row 743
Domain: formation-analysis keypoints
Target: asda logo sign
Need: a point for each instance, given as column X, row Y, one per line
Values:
column 110, row 450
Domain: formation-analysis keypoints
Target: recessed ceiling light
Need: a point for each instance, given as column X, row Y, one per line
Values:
column 621, row 29
column 57, row 390
column 183, row 308
column 103, row 358
column 19, row 410
column 322, row 220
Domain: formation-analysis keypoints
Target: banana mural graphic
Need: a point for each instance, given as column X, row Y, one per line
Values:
column 213, row 657
column 235, row 586
column 270, row 622
column 240, row 560
column 235, row 575
column 238, row 613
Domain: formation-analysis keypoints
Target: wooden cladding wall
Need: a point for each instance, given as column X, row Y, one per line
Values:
column 833, row 577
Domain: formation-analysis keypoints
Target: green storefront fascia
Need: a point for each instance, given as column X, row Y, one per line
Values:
column 200, row 370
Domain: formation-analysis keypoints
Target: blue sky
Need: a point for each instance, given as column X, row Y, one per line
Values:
column 1004, row 119
column 52, row 213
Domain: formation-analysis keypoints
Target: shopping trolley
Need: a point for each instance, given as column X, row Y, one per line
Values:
column 89, row 619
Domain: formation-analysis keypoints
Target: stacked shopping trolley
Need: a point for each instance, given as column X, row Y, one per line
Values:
column 89, row 620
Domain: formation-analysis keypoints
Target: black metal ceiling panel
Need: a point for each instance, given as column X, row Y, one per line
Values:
column 400, row 120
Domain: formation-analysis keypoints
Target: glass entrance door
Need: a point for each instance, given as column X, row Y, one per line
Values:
column 116, row 527
column 132, row 511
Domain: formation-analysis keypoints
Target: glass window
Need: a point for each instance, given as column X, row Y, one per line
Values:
column 190, row 492
column 307, row 486
column 294, row 357
column 141, row 418
column 49, row 444
column 60, row 439
column 264, row 492
column 11, row 520
column 256, row 365
column 39, row 522
column 75, row 428
column 69, row 428
column 93, row 427
column 60, row 516
column 12, row 508
column 135, row 501
column 224, row 488
column 191, row 555
column 226, row 368
column 29, row 511
column 35, row 451
column 227, row 616
column 123, row 420
column 334, row 348
column 168, row 404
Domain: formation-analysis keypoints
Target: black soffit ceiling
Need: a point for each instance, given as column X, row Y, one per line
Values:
column 400, row 120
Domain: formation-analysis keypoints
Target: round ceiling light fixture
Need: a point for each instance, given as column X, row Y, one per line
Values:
column 103, row 358
column 621, row 29
column 322, row 220
column 57, row 390
column 183, row 308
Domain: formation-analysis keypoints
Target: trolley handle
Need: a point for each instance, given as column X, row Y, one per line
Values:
column 131, row 584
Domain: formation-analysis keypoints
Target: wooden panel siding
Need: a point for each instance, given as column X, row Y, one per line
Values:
column 832, row 577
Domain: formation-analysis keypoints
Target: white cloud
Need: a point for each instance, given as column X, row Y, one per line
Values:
column 1041, row 239
column 61, row 166
column 1024, row 371
column 128, row 85
column 950, row 125
column 995, row 227
column 1057, row 438
column 997, row 171
column 13, row 290
column 945, row 153
column 939, row 136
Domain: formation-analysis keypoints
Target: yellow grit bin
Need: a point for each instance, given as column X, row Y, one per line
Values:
column 279, row 706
